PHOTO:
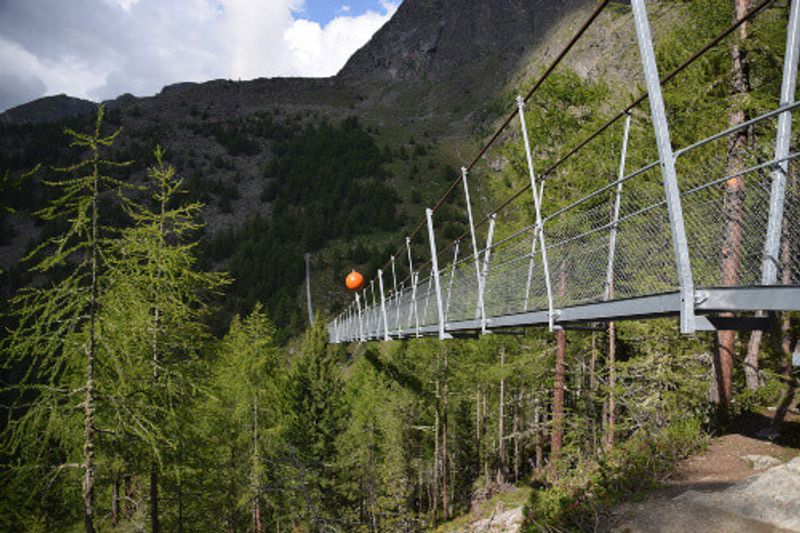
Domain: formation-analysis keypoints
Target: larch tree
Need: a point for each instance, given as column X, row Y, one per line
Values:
column 154, row 320
column 55, row 337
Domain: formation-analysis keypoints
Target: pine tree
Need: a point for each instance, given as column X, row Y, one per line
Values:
column 56, row 333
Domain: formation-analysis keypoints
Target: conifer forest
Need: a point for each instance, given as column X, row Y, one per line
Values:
column 159, row 372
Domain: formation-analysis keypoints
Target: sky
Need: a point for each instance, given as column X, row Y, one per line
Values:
column 99, row 49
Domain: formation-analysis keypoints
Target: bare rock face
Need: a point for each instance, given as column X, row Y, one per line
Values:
column 48, row 109
column 501, row 521
column 760, row 462
column 432, row 52
column 437, row 38
column 771, row 497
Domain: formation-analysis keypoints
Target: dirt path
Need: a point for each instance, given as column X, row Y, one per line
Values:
column 740, row 483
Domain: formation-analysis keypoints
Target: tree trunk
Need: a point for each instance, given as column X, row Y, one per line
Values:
column 478, row 439
column 557, row 431
column 751, row 359
column 612, row 384
column 115, row 501
column 88, row 406
column 445, row 499
column 485, row 414
column 255, row 482
column 154, row 525
column 436, row 462
column 733, row 207
column 516, row 429
column 537, row 415
column 129, row 495
column 501, row 449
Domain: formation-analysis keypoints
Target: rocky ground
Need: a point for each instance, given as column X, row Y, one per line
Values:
column 739, row 484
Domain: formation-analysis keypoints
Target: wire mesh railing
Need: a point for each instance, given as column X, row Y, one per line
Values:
column 626, row 239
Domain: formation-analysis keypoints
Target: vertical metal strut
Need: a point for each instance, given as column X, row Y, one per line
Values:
column 538, row 208
column 414, row 278
column 360, row 320
column 481, row 307
column 383, row 307
column 769, row 269
column 396, row 296
column 534, row 239
column 308, row 290
column 667, row 158
column 450, row 284
column 435, row 267
column 486, row 255
column 612, row 236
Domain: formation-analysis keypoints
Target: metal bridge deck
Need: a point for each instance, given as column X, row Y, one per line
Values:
column 709, row 228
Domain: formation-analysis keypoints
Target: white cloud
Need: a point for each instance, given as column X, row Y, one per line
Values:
column 323, row 50
column 103, row 48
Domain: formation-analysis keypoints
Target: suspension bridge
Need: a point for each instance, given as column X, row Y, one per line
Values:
column 708, row 232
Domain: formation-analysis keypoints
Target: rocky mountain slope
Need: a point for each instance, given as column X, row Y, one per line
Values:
column 420, row 87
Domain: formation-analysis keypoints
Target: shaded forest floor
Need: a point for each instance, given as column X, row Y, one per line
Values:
column 741, row 482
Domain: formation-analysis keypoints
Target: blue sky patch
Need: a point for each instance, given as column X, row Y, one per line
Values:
column 323, row 11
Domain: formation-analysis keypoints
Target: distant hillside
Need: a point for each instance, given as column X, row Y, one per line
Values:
column 419, row 89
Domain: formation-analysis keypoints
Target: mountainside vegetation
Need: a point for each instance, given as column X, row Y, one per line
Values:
column 158, row 373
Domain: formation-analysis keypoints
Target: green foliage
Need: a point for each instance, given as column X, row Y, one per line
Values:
column 574, row 501
column 53, row 344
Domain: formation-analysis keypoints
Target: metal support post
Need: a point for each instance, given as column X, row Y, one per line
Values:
column 667, row 159
column 538, row 208
column 481, row 308
column 414, row 277
column 612, row 236
column 769, row 269
column 383, row 307
column 450, row 284
column 308, row 290
column 396, row 296
column 360, row 320
column 534, row 239
column 366, row 312
column 427, row 300
column 486, row 255
column 435, row 268
column 414, row 280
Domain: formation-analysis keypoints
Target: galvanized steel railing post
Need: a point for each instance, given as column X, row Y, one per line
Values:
column 414, row 277
column 395, row 294
column 360, row 320
column 435, row 268
column 427, row 300
column 450, row 284
column 612, row 236
column 534, row 238
column 538, row 208
column 383, row 307
column 486, row 255
column 769, row 269
column 667, row 159
column 308, row 290
column 481, row 307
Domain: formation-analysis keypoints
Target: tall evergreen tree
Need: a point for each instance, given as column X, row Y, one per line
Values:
column 56, row 332
column 155, row 315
